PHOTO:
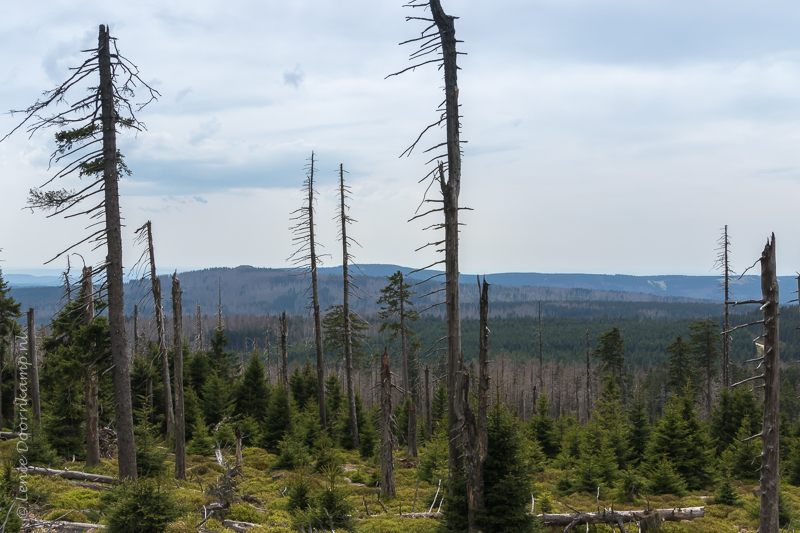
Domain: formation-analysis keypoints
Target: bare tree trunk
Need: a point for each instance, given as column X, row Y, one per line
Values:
column 428, row 421
column 239, row 448
column 315, row 300
column 387, row 460
column 116, row 305
column 412, row 430
column 90, row 388
column 162, row 341
column 348, row 346
column 541, row 346
column 198, row 340
column 451, row 188
column 588, row 391
column 177, row 347
column 770, row 451
column 476, row 441
column 32, row 360
column 135, row 329
column 726, row 365
column 284, row 356
column 403, row 340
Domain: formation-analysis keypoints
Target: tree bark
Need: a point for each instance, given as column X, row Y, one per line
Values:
column 116, row 310
column 32, row 360
column 315, row 301
column 162, row 335
column 588, row 390
column 135, row 330
column 90, row 388
column 428, row 421
column 69, row 474
column 451, row 188
column 606, row 517
column 387, row 460
column 726, row 365
column 412, row 430
column 348, row 345
column 403, row 339
column 284, row 357
column 770, row 450
column 180, row 417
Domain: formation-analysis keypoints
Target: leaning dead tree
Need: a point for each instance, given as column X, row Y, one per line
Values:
column 438, row 40
column 344, row 219
column 177, row 350
column 305, row 260
column 723, row 263
column 87, row 147
column 148, row 259
column 770, row 360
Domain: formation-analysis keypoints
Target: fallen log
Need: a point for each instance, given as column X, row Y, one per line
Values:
column 605, row 517
column 4, row 435
column 423, row 515
column 67, row 474
column 239, row 527
column 31, row 524
column 90, row 486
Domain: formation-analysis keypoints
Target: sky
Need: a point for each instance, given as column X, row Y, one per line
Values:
column 604, row 136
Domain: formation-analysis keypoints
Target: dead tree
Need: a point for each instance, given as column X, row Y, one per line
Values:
column 428, row 421
column 305, row 260
column 344, row 219
column 177, row 349
column 87, row 144
column 198, row 339
column 439, row 39
column 90, row 387
column 284, row 356
column 770, row 360
column 145, row 234
column 37, row 406
column 412, row 430
column 588, row 390
column 541, row 350
column 387, row 419
column 724, row 265
column 476, row 428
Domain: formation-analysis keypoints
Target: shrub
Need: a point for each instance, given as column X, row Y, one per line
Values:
column 140, row 507
column 299, row 495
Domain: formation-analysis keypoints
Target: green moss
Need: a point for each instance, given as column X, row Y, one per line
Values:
column 396, row 524
column 66, row 515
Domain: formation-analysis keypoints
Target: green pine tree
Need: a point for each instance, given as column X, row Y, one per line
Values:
column 303, row 384
column 542, row 428
column 252, row 395
column 611, row 352
column 639, row 430
column 439, row 406
column 680, row 365
column 278, row 421
column 217, row 399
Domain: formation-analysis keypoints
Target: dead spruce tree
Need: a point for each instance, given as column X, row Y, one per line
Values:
column 91, row 386
column 439, row 40
column 284, row 356
column 148, row 259
column 387, row 421
column 87, row 147
column 344, row 219
column 723, row 263
column 32, row 361
column 770, row 360
column 177, row 350
column 305, row 260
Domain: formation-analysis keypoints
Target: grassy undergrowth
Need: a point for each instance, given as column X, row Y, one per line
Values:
column 263, row 498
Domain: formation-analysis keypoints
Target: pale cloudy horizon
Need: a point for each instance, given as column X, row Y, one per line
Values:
column 604, row 137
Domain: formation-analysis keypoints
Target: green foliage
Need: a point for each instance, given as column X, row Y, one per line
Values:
column 400, row 431
column 542, row 428
column 303, row 384
column 745, row 457
column 597, row 464
column 333, row 499
column 639, row 430
column 610, row 416
column 439, row 405
column 333, row 328
column 14, row 523
column 327, row 456
column 278, row 420
column 140, row 507
column 345, row 440
column 221, row 362
column 663, row 478
column 507, row 475
column 728, row 415
column 368, row 434
column 391, row 295
column 433, row 463
column 252, row 395
column 726, row 494
column 217, row 400
column 292, row 453
column 705, row 346
column 299, row 495
column 201, row 442
column 680, row 438
column 681, row 369
column 611, row 352
column 149, row 459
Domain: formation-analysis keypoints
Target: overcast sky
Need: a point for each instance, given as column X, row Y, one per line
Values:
column 605, row 136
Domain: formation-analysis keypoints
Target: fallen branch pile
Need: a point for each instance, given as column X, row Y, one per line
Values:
column 571, row 520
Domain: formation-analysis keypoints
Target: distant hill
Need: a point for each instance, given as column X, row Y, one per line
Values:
column 248, row 290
